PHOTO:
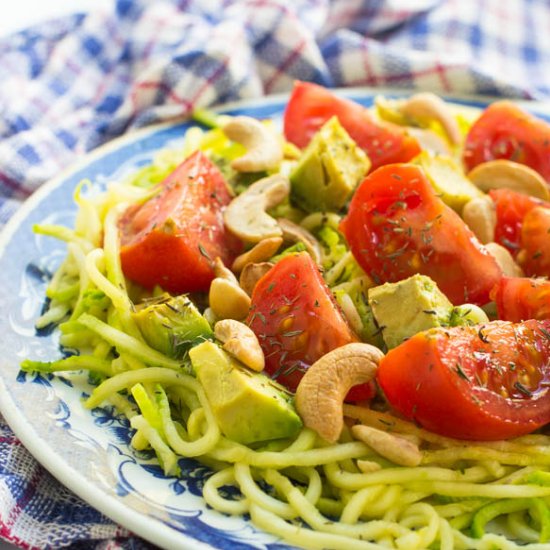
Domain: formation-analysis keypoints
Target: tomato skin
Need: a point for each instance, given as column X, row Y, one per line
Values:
column 172, row 239
column 463, row 382
column 521, row 298
column 534, row 256
column 295, row 318
column 511, row 209
column 311, row 105
column 505, row 131
column 396, row 226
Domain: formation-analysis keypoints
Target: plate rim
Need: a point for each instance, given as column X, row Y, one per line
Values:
column 133, row 520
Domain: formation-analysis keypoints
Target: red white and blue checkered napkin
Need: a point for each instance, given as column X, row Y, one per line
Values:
column 72, row 84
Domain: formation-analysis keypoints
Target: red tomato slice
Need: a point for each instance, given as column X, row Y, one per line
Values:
column 534, row 256
column 505, row 131
column 397, row 226
column 511, row 209
column 520, row 298
column 487, row 382
column 296, row 320
column 172, row 239
column 310, row 106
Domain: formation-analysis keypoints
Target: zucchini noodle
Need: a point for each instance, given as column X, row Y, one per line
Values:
column 463, row 495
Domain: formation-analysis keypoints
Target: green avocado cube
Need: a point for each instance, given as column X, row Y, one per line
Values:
column 329, row 169
column 448, row 180
column 249, row 407
column 171, row 324
column 407, row 307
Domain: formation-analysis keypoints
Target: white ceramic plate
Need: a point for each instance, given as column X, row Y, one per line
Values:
column 88, row 451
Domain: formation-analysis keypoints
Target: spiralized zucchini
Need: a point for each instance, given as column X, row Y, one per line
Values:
column 343, row 496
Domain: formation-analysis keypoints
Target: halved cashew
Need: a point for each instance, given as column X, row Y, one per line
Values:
column 397, row 449
column 223, row 272
column 251, row 274
column 246, row 216
column 427, row 106
column 505, row 260
column 264, row 147
column 296, row 233
column 260, row 252
column 240, row 341
column 322, row 389
column 226, row 298
column 480, row 216
column 498, row 174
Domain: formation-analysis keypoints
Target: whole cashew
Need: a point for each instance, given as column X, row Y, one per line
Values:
column 251, row 274
column 246, row 216
column 397, row 449
column 505, row 260
column 321, row 391
column 226, row 298
column 264, row 147
column 428, row 106
column 240, row 341
column 498, row 174
column 480, row 216
column 295, row 233
column 260, row 252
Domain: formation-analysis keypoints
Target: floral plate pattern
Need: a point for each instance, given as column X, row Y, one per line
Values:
column 88, row 451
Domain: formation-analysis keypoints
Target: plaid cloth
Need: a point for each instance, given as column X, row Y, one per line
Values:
column 74, row 83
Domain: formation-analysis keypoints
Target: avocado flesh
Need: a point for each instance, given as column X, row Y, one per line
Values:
column 329, row 169
column 407, row 307
column 171, row 325
column 448, row 181
column 249, row 407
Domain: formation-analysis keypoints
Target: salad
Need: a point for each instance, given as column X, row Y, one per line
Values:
column 348, row 321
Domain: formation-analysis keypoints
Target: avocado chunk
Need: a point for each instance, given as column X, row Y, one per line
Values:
column 448, row 180
column 407, row 307
column 171, row 325
column 328, row 170
column 249, row 407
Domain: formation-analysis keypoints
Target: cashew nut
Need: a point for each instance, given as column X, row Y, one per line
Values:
column 505, row 260
column 397, row 449
column 264, row 147
column 251, row 274
column 321, row 391
column 295, row 233
column 226, row 298
column 241, row 342
column 262, row 251
column 246, row 216
column 498, row 174
column 480, row 216
column 428, row 106
column 222, row 272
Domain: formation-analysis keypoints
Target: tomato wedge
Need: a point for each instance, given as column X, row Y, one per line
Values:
column 487, row 382
column 521, row 298
column 296, row 320
column 511, row 209
column 505, row 131
column 534, row 256
column 311, row 105
column 172, row 239
column 396, row 226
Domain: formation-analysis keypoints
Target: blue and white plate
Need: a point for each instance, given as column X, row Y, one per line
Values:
column 88, row 451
